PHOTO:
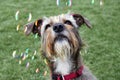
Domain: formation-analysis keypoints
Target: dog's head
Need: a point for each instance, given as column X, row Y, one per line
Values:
column 59, row 34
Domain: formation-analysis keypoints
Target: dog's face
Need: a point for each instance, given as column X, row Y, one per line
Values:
column 59, row 34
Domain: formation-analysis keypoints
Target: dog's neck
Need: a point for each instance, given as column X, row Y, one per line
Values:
column 63, row 66
column 66, row 65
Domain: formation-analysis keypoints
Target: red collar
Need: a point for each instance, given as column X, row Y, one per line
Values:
column 70, row 76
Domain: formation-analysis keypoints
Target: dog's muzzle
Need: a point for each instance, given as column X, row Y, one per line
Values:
column 59, row 29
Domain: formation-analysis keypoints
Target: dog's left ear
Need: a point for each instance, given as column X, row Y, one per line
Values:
column 33, row 27
column 80, row 20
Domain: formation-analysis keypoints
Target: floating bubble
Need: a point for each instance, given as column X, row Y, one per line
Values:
column 58, row 2
column 37, row 70
column 27, row 65
column 45, row 73
column 21, row 54
column 24, row 57
column 69, row 3
column 93, row 1
column 20, row 61
column 14, row 54
column 35, row 52
column 27, row 50
column 45, row 61
column 16, row 15
column 25, row 29
column 101, row 2
column 30, row 17
column 64, row 2
column 33, row 57
column 18, row 27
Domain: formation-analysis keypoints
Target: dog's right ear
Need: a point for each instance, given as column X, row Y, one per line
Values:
column 33, row 27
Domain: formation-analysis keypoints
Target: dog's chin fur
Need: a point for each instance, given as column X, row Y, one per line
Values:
column 62, row 47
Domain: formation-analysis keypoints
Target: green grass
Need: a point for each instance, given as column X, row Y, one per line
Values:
column 102, row 54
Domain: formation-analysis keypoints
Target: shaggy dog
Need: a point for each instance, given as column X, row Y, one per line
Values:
column 61, row 44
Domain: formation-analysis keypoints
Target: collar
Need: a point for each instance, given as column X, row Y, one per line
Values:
column 70, row 76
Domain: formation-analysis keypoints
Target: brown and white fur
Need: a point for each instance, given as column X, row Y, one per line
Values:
column 61, row 43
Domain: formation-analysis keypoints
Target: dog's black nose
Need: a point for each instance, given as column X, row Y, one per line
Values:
column 59, row 27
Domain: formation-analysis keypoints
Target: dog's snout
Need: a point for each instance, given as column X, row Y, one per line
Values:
column 59, row 27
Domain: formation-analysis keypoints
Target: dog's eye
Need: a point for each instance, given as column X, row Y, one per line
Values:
column 68, row 22
column 47, row 26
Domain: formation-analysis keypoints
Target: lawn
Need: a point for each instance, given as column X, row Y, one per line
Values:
column 101, row 53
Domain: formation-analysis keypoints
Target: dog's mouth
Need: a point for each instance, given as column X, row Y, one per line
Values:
column 60, row 38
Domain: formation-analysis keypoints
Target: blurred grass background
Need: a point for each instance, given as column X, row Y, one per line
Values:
column 102, row 54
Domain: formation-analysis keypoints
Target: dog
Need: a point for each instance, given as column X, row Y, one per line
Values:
column 61, row 45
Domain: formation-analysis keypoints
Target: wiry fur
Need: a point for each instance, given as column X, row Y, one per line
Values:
column 63, row 54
